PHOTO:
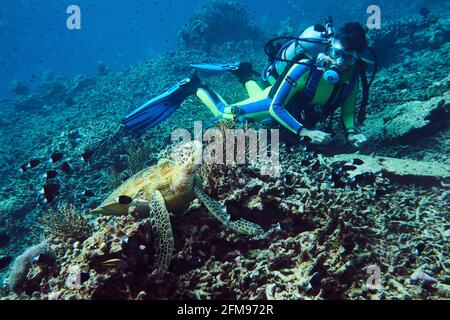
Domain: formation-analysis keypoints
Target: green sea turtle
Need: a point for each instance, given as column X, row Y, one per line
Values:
column 169, row 186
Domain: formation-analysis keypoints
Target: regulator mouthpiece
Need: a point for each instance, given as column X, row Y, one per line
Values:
column 331, row 76
column 329, row 27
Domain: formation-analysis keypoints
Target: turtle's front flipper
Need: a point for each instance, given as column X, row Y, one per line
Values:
column 160, row 219
column 220, row 213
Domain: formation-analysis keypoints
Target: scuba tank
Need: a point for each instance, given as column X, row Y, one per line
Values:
column 283, row 51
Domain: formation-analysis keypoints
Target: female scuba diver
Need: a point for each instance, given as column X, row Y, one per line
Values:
column 310, row 77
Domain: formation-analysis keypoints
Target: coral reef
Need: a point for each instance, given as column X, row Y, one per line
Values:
column 361, row 167
column 215, row 23
column 102, row 69
column 320, row 241
column 81, row 83
column 286, row 28
column 400, row 123
column 408, row 36
column 325, row 239
column 51, row 91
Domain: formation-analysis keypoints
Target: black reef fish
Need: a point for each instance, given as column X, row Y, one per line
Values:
column 5, row 261
column 4, row 239
column 57, row 156
column 124, row 200
column 66, row 167
column 51, row 174
column 87, row 155
column 34, row 163
column 89, row 193
column 44, row 259
column 84, row 276
column 424, row 12
column 49, row 191
column 51, row 188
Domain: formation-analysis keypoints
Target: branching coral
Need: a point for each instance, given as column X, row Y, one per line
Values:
column 66, row 222
column 137, row 156
column 211, row 173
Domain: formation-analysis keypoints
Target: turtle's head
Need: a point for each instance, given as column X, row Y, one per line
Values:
column 118, row 207
column 189, row 155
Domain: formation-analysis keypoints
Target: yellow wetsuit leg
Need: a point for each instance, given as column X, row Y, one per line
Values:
column 215, row 103
column 253, row 89
column 255, row 108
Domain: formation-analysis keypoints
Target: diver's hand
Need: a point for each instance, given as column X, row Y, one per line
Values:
column 357, row 140
column 315, row 136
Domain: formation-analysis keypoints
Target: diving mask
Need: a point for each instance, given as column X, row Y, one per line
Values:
column 341, row 56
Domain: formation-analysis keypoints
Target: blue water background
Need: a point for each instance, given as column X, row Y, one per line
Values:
column 34, row 37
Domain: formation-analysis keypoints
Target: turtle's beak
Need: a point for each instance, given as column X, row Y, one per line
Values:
column 113, row 209
column 110, row 210
column 117, row 208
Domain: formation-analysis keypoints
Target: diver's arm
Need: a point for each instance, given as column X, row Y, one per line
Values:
column 348, row 118
column 348, row 110
column 290, row 83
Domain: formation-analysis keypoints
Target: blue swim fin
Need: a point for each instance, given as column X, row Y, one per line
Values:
column 158, row 109
column 216, row 67
column 243, row 70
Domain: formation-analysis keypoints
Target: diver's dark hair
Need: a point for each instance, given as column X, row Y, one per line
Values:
column 352, row 36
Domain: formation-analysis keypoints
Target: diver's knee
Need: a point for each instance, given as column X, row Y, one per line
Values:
column 231, row 112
